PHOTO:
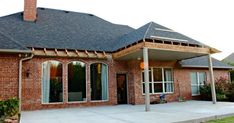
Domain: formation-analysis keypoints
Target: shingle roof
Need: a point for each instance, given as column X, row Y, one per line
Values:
column 202, row 62
column 154, row 31
column 63, row 30
column 8, row 43
column 72, row 30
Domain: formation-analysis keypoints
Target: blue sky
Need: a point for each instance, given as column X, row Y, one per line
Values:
column 208, row 21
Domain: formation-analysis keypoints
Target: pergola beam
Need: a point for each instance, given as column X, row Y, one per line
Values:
column 163, row 46
column 128, row 50
column 69, row 53
column 177, row 48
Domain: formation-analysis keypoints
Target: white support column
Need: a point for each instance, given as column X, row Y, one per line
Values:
column 146, row 76
column 212, row 79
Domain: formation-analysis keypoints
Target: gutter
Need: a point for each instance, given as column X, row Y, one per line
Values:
column 197, row 66
column 15, row 51
column 20, row 78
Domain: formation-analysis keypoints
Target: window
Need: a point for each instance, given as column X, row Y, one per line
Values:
column 52, row 84
column 99, row 81
column 76, row 81
column 160, row 80
column 197, row 80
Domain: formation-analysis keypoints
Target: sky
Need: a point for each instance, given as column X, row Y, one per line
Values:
column 208, row 21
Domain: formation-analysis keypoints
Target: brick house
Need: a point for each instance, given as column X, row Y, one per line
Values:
column 56, row 59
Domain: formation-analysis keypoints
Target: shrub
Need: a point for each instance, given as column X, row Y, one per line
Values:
column 230, row 95
column 9, row 107
column 224, row 90
column 205, row 92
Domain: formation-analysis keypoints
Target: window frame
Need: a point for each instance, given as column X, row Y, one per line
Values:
column 52, row 103
column 198, row 82
column 107, row 82
column 86, row 83
column 162, row 82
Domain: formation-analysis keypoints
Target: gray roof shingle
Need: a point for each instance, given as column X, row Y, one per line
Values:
column 72, row 30
column 151, row 31
column 8, row 43
column 202, row 62
column 63, row 30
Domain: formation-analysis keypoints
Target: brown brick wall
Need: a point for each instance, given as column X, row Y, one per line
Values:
column 182, row 84
column 8, row 76
column 31, row 92
column 31, row 86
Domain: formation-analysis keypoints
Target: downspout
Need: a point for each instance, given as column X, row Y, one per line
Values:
column 20, row 78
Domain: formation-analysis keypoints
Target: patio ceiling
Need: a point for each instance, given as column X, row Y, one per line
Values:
column 164, row 52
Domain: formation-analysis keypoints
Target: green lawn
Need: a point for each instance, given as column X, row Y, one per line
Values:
column 225, row 120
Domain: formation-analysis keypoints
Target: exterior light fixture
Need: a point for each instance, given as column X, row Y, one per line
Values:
column 28, row 73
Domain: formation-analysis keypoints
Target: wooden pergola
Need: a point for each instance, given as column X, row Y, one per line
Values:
column 49, row 52
column 165, row 50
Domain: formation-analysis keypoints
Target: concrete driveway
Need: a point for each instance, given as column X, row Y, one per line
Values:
column 190, row 111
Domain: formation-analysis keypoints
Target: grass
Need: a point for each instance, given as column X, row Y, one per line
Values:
column 224, row 120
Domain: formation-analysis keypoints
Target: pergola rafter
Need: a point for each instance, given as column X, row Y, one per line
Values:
column 69, row 53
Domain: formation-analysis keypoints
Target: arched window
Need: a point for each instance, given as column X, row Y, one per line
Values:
column 99, row 81
column 52, row 82
column 76, row 81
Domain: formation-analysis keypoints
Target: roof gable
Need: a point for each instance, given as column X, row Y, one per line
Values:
column 160, row 32
column 153, row 30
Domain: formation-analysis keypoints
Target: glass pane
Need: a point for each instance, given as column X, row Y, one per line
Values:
column 168, row 74
column 99, row 82
column 158, row 88
column 76, row 81
column 52, row 82
column 195, row 90
column 169, row 87
column 193, row 77
column 157, row 74
column 202, row 78
column 143, row 77
column 150, row 87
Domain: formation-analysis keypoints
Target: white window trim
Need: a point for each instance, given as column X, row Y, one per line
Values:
column 163, row 81
column 107, row 100
column 86, row 77
column 198, row 83
column 51, row 103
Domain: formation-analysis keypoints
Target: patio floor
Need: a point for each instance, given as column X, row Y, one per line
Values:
column 190, row 111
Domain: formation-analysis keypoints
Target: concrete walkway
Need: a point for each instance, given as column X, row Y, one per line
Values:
column 190, row 111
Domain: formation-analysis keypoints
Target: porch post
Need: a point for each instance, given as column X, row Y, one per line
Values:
column 212, row 79
column 146, row 76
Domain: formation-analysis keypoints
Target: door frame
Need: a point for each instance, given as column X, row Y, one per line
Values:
column 126, row 77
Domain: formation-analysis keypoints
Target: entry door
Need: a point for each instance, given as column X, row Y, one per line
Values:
column 122, row 88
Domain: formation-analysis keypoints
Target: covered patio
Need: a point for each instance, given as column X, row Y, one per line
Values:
column 190, row 111
column 159, row 49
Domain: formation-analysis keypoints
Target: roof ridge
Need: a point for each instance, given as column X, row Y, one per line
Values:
column 147, row 30
column 3, row 34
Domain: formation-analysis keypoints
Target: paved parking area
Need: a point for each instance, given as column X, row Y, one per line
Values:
column 190, row 111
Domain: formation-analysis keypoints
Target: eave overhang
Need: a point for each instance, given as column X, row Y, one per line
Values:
column 163, row 51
